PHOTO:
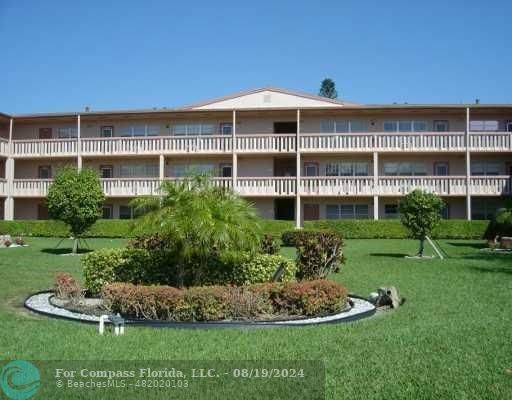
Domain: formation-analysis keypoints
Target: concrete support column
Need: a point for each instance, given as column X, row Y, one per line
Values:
column 298, row 207
column 161, row 167
column 375, row 185
column 9, row 175
column 78, row 144
column 234, row 162
column 468, row 167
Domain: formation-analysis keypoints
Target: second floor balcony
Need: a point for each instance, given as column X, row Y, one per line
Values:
column 4, row 147
column 323, row 186
column 3, row 187
column 263, row 144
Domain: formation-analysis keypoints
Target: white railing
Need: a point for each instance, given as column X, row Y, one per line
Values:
column 424, row 141
column 113, row 146
column 336, row 186
column 44, row 148
column 272, row 186
column 269, row 143
column 4, row 147
column 490, row 141
column 31, row 187
column 337, row 142
column 196, row 144
column 216, row 181
column 3, row 187
column 130, row 186
column 441, row 185
column 491, row 185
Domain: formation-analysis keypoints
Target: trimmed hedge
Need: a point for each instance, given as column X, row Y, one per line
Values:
column 350, row 229
column 214, row 303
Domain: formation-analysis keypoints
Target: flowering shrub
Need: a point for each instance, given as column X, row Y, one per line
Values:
column 214, row 303
column 269, row 245
column 66, row 288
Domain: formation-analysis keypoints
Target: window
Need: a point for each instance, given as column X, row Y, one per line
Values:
column 404, row 168
column 441, row 169
column 193, row 129
column 140, row 130
column 347, row 211
column 139, row 171
column 509, row 126
column 106, row 171
column 348, row 168
column 181, row 170
column 485, row 168
column 226, row 128
column 226, row 170
column 44, row 172
column 445, row 212
column 441, row 126
column 125, row 212
column 342, row 126
column 108, row 211
column 483, row 126
column 67, row 133
column 484, row 208
column 405, row 126
column 107, row 131
column 391, row 211
column 311, row 169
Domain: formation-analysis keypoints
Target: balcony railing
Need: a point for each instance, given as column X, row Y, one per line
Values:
column 123, row 187
column 272, row 186
column 268, row 143
column 45, row 148
column 441, row 185
column 336, row 186
column 4, row 147
column 3, row 187
column 31, row 187
column 265, row 143
column 491, row 141
column 286, row 186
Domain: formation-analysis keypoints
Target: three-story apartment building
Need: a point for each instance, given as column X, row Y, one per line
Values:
column 295, row 156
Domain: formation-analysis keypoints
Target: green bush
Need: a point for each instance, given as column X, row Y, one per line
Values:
column 214, row 303
column 260, row 268
column 276, row 228
column 100, row 268
column 269, row 245
column 318, row 254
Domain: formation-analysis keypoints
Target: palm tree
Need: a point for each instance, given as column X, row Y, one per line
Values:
column 201, row 220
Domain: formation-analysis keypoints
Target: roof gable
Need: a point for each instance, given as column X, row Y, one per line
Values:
column 267, row 98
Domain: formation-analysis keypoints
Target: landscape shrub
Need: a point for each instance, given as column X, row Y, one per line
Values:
column 19, row 241
column 214, row 303
column 67, row 288
column 269, row 245
column 260, row 268
column 318, row 254
column 99, row 268
column 350, row 229
column 156, row 241
column 7, row 243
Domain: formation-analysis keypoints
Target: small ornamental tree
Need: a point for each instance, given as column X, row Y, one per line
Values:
column 420, row 213
column 328, row 89
column 76, row 198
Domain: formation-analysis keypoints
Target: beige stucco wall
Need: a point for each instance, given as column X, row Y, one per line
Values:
column 26, row 208
column 255, row 166
column 28, row 169
column 264, row 206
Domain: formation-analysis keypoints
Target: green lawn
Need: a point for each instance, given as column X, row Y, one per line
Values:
column 451, row 340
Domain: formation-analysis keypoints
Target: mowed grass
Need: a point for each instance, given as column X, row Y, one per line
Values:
column 452, row 339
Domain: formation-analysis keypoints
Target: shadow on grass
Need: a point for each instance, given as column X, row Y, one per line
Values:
column 63, row 250
column 393, row 255
column 468, row 244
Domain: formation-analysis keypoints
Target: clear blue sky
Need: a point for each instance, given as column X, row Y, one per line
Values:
column 62, row 55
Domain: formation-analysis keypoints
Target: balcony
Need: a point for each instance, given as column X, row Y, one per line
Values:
column 265, row 143
column 3, row 187
column 336, row 186
column 4, row 147
column 286, row 186
column 45, row 148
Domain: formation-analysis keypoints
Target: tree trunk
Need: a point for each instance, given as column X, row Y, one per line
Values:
column 422, row 247
column 75, row 245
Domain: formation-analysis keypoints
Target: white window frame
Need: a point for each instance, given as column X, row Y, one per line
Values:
column 193, row 129
column 334, row 126
column 136, row 130
column 339, row 211
column 412, row 122
column 490, row 125
column 337, row 168
column 70, row 132
column 416, row 168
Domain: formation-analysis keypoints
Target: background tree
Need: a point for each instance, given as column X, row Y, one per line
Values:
column 200, row 220
column 328, row 89
column 76, row 198
column 420, row 213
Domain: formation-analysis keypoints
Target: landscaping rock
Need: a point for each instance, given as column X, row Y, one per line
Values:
column 5, row 239
column 506, row 243
column 388, row 296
